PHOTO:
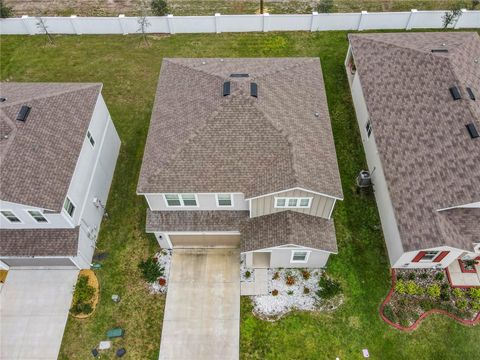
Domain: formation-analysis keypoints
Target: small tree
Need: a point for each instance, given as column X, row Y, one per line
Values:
column 325, row 6
column 143, row 22
column 475, row 3
column 450, row 17
column 5, row 11
column 42, row 26
column 159, row 7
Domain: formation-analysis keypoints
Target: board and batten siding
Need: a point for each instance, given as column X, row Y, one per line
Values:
column 321, row 206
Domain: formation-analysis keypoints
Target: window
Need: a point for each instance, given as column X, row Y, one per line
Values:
column 69, row 207
column 299, row 256
column 293, row 202
column 368, row 128
column 38, row 216
column 90, row 138
column 224, row 200
column 181, row 199
column 429, row 255
column 10, row 216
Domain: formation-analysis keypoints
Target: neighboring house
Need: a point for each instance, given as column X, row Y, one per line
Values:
column 417, row 100
column 58, row 149
column 240, row 153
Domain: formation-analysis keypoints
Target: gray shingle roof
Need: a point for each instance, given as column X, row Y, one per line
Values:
column 200, row 141
column 286, row 227
column 39, row 242
column 38, row 156
column 430, row 161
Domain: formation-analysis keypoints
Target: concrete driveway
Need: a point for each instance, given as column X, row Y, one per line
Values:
column 202, row 311
column 34, row 307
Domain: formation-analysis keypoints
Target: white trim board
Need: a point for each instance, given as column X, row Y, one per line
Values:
column 295, row 188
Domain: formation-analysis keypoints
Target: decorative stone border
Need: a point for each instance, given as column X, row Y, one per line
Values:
column 423, row 316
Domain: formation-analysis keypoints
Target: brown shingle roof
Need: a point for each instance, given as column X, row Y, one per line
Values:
column 39, row 242
column 429, row 160
column 286, row 227
column 38, row 158
column 200, row 141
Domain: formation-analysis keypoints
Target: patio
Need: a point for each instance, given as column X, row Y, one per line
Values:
column 459, row 277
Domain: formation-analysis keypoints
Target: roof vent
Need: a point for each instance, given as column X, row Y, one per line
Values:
column 470, row 93
column 439, row 50
column 238, row 75
column 226, row 88
column 253, row 89
column 2, row 99
column 472, row 130
column 23, row 113
column 455, row 93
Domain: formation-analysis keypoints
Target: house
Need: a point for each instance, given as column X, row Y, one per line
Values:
column 240, row 153
column 417, row 101
column 58, row 149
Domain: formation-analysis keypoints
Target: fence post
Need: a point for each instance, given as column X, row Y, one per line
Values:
column 265, row 22
column 314, row 24
column 121, row 19
column 410, row 19
column 25, row 21
column 457, row 25
column 73, row 18
column 360, row 22
column 171, row 28
column 217, row 23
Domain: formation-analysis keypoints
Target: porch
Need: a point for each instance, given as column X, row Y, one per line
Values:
column 459, row 276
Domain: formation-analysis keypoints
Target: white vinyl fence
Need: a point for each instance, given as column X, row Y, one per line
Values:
column 239, row 23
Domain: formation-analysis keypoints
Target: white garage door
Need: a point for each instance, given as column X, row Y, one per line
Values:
column 205, row 241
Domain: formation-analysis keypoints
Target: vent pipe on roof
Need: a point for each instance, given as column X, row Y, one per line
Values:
column 226, row 88
column 23, row 113
column 455, row 93
column 472, row 130
column 2, row 99
column 253, row 89
column 239, row 75
column 439, row 50
column 470, row 93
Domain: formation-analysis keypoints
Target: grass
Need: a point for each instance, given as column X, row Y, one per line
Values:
column 129, row 73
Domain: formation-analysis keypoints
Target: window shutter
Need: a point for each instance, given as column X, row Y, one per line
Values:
column 441, row 256
column 419, row 256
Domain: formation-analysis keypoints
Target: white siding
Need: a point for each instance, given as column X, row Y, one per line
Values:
column 405, row 261
column 382, row 196
column 54, row 220
column 206, row 201
column 280, row 258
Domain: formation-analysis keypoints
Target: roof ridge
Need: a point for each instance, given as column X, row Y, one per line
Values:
column 288, row 66
column 55, row 93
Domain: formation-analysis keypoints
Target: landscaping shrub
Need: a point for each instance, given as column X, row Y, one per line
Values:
column 5, row 11
column 389, row 314
column 424, row 275
column 162, row 282
column 445, row 293
column 400, row 276
column 276, row 276
column 411, row 275
column 274, row 292
column 474, row 293
column 306, row 274
column 434, row 291
column 248, row 274
column 427, row 304
column 82, row 296
column 290, row 280
column 150, row 270
column 475, row 306
column 306, row 290
column 412, row 288
column 439, row 276
column 461, row 304
column 458, row 293
column 159, row 7
column 290, row 292
column 328, row 288
column 400, row 287
column 81, row 308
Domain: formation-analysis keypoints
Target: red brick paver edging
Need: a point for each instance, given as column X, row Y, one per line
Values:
column 423, row 316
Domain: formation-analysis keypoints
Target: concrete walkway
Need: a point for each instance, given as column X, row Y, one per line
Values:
column 34, row 307
column 202, row 311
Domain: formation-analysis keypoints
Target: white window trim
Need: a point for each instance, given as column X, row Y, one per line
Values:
column 224, row 206
column 429, row 260
column 41, row 212
column 74, row 207
column 182, row 205
column 300, row 261
column 293, row 207
column 90, row 139
column 13, row 212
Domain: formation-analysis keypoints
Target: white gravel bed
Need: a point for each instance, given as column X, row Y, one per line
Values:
column 164, row 259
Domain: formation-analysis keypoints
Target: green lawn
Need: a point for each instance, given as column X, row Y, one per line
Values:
column 129, row 73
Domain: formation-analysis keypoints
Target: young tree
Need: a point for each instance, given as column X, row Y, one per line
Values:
column 143, row 22
column 475, row 3
column 325, row 6
column 5, row 11
column 159, row 7
column 42, row 26
column 450, row 17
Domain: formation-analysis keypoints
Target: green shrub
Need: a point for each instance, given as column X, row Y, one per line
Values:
column 439, row 276
column 248, row 274
column 461, row 304
column 400, row 287
column 475, row 306
column 5, row 11
column 411, row 275
column 474, row 293
column 412, row 288
column 82, row 296
column 325, row 6
column 81, row 308
column 150, row 270
column 306, row 290
column 290, row 292
column 400, row 276
column 427, row 304
column 328, row 288
column 389, row 314
column 424, row 275
column 434, row 291
column 458, row 293
column 159, row 7
column 445, row 293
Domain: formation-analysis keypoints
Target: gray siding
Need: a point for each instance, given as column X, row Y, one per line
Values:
column 321, row 205
column 382, row 196
column 280, row 258
column 206, row 201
